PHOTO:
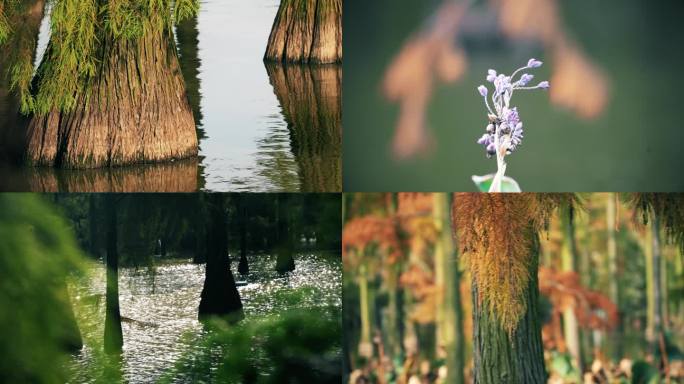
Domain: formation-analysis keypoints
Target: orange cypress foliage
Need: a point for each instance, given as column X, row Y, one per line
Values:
column 496, row 233
column 360, row 233
column 563, row 289
column 414, row 203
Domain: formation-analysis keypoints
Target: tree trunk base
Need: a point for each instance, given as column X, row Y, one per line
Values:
column 135, row 112
column 306, row 31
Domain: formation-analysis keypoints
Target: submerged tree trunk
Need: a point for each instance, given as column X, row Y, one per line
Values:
column 20, row 46
column 502, row 358
column 306, row 31
column 285, row 260
column 220, row 296
column 113, row 336
column 243, row 266
column 311, row 99
column 136, row 112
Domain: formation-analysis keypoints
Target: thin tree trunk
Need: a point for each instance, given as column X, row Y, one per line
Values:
column 365, row 345
column 569, row 264
column 611, row 213
column 518, row 358
column 113, row 336
column 284, row 260
column 243, row 266
column 657, row 294
column 449, row 313
column 136, row 112
column 220, row 296
column 650, row 289
column 306, row 31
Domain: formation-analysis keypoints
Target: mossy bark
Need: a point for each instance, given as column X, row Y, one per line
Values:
column 220, row 296
column 306, row 31
column 135, row 111
column 516, row 358
column 312, row 107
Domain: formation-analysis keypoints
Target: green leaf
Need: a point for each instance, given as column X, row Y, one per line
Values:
column 483, row 183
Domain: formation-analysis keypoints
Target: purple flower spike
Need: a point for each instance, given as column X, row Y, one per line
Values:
column 534, row 63
column 504, row 130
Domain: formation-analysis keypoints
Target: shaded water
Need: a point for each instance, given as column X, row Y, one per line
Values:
column 162, row 307
column 249, row 139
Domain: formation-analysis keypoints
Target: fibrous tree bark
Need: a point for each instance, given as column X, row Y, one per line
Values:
column 220, row 296
column 509, row 358
column 135, row 110
column 113, row 336
column 306, row 31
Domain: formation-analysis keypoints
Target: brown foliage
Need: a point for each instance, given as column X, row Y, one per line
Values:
column 563, row 289
column 495, row 234
column 359, row 233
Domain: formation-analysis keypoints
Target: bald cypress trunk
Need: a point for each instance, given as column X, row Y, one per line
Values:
column 136, row 111
column 220, row 296
column 306, row 31
column 503, row 358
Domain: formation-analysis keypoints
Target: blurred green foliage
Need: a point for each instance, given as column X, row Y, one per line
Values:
column 296, row 345
column 37, row 253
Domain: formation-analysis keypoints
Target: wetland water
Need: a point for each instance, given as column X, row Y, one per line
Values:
column 261, row 128
column 159, row 309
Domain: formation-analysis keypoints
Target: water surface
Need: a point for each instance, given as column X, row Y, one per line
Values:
column 159, row 307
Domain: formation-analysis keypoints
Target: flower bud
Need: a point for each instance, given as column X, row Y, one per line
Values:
column 543, row 85
column 534, row 63
column 483, row 90
column 525, row 79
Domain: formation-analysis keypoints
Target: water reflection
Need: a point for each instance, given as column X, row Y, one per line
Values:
column 159, row 307
column 177, row 176
column 310, row 100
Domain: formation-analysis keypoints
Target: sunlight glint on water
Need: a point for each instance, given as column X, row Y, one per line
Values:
column 160, row 308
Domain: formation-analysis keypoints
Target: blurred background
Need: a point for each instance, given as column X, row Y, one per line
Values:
column 609, row 122
column 611, row 304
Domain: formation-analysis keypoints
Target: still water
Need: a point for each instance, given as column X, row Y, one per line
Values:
column 159, row 308
column 261, row 129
